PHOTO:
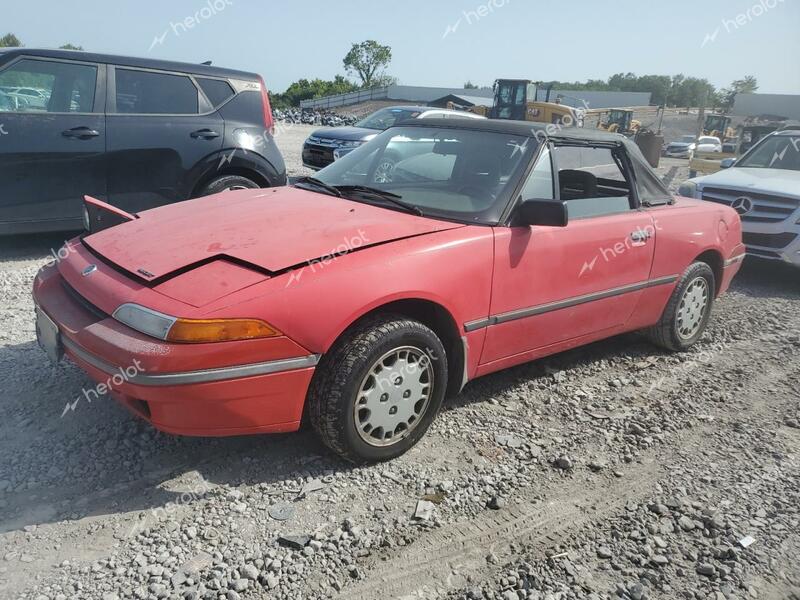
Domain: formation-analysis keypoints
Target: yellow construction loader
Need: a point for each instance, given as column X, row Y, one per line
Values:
column 515, row 99
column 620, row 120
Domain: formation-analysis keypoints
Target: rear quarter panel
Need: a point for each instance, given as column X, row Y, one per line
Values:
column 684, row 231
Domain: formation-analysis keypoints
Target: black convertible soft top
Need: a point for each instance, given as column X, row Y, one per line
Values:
column 649, row 185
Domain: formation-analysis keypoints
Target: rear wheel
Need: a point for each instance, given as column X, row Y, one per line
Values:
column 376, row 392
column 226, row 183
column 687, row 313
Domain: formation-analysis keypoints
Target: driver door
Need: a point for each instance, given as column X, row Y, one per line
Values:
column 555, row 284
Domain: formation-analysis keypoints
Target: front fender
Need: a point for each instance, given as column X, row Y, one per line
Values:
column 315, row 303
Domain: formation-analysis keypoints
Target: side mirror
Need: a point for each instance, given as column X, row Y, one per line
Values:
column 547, row 213
column 727, row 163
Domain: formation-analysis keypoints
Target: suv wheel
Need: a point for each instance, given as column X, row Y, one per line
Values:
column 376, row 392
column 227, row 183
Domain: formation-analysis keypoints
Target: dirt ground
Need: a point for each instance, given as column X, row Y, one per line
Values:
column 615, row 470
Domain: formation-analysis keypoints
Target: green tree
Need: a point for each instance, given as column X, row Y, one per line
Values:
column 305, row 89
column 9, row 40
column 727, row 96
column 470, row 86
column 367, row 60
column 70, row 47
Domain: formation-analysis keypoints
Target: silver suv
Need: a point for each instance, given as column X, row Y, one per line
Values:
column 764, row 188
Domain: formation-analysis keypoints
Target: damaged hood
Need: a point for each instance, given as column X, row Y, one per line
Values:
column 269, row 229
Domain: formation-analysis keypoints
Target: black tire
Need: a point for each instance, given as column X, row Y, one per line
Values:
column 227, row 182
column 668, row 332
column 339, row 376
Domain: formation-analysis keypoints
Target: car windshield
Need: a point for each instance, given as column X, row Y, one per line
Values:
column 708, row 140
column 387, row 117
column 775, row 152
column 456, row 174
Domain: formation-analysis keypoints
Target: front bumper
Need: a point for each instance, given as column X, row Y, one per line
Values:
column 186, row 389
column 317, row 156
column 770, row 228
column 677, row 153
column 782, row 245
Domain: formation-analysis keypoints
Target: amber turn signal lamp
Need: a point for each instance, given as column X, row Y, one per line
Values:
column 219, row 330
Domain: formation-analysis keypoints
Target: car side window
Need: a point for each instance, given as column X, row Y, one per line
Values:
column 40, row 86
column 216, row 90
column 149, row 93
column 592, row 181
column 539, row 185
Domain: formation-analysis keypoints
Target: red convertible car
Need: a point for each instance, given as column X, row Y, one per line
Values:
column 439, row 252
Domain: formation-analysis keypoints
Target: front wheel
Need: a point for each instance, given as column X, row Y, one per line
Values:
column 378, row 389
column 687, row 313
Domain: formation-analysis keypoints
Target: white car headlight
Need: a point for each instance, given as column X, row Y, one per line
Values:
column 350, row 143
column 688, row 189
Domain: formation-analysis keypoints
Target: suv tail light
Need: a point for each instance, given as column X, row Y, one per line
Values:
column 269, row 122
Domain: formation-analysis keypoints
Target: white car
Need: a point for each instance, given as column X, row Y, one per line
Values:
column 708, row 143
column 328, row 144
column 763, row 186
column 682, row 148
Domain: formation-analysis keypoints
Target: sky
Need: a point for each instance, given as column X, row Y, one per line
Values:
column 442, row 43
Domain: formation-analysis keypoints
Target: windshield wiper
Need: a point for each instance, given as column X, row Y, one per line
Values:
column 320, row 184
column 395, row 199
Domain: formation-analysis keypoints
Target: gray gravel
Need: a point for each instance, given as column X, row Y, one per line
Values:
column 616, row 470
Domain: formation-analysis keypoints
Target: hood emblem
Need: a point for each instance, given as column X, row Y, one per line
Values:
column 89, row 270
column 742, row 205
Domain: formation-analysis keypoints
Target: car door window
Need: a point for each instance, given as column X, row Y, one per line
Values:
column 150, row 93
column 539, row 184
column 592, row 181
column 32, row 86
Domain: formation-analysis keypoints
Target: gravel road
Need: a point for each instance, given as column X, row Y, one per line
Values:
column 616, row 470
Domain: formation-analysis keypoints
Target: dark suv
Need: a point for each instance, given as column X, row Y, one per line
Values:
column 134, row 132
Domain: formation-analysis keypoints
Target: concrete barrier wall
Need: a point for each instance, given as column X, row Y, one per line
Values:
column 755, row 105
column 423, row 95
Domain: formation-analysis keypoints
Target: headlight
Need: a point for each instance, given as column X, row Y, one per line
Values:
column 688, row 189
column 174, row 329
column 350, row 143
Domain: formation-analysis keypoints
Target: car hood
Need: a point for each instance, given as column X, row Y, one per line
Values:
column 345, row 133
column 272, row 230
column 769, row 181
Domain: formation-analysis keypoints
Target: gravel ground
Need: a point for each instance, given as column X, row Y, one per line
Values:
column 616, row 470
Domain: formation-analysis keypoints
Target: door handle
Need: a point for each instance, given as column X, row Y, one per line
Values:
column 81, row 133
column 205, row 134
column 641, row 235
